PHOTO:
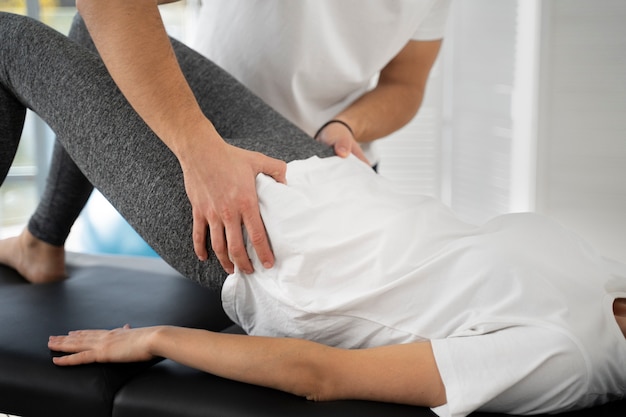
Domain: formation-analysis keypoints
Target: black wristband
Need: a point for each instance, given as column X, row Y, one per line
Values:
column 330, row 122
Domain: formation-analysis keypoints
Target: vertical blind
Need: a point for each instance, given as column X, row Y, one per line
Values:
column 526, row 112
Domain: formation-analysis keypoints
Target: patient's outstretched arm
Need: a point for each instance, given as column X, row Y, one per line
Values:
column 404, row 374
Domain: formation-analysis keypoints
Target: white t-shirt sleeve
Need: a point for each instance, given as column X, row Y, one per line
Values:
column 433, row 25
column 517, row 370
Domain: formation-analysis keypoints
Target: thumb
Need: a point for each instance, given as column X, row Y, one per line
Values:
column 275, row 168
column 341, row 150
column 342, row 146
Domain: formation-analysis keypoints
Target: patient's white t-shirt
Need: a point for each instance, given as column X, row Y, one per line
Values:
column 309, row 59
column 518, row 311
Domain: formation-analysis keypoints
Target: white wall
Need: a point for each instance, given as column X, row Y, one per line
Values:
column 532, row 101
column 479, row 61
column 581, row 172
column 411, row 157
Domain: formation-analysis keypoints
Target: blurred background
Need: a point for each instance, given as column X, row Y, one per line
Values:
column 525, row 111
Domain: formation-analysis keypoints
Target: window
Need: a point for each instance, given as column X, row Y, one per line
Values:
column 20, row 191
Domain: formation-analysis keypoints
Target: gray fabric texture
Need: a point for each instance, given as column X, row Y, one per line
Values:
column 67, row 189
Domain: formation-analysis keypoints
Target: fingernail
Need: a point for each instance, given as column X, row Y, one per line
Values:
column 268, row 265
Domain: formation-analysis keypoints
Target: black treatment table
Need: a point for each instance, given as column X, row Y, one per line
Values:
column 108, row 292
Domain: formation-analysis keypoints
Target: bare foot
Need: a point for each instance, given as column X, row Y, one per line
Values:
column 37, row 261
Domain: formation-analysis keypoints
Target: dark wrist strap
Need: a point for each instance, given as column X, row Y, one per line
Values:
column 330, row 122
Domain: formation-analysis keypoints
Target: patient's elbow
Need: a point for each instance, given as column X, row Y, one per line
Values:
column 313, row 381
column 312, row 387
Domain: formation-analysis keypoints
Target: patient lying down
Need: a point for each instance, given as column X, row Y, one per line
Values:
column 381, row 295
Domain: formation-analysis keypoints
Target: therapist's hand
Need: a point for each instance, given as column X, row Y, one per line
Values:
column 340, row 138
column 221, row 185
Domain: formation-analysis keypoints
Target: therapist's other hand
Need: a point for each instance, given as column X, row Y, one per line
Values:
column 340, row 138
column 221, row 185
column 89, row 346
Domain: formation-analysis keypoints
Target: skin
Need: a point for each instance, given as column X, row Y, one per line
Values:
column 404, row 374
column 219, row 178
column 39, row 262
column 397, row 96
column 391, row 105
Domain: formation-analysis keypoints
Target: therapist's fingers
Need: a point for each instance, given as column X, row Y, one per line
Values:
column 219, row 246
column 340, row 138
column 346, row 145
column 258, row 238
column 224, row 200
column 199, row 233
column 251, row 218
column 358, row 152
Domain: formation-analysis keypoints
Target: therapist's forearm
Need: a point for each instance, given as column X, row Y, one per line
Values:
column 382, row 111
column 132, row 41
column 397, row 96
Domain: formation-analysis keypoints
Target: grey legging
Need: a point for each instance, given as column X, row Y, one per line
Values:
column 67, row 84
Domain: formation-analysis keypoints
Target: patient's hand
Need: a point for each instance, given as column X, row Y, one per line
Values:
column 88, row 346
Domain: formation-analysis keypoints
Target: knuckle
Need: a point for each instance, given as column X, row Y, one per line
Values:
column 212, row 217
column 197, row 235
column 226, row 214
column 246, row 204
column 256, row 237
column 219, row 248
column 238, row 252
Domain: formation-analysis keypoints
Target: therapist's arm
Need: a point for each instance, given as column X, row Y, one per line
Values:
column 219, row 178
column 391, row 104
column 404, row 374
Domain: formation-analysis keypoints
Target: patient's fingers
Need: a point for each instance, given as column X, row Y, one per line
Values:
column 80, row 358
column 88, row 346
column 76, row 341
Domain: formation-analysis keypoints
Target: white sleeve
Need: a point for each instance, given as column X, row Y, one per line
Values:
column 434, row 24
column 517, row 370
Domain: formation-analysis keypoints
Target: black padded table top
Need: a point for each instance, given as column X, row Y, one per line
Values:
column 96, row 296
